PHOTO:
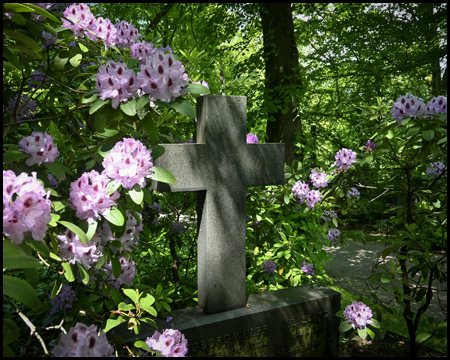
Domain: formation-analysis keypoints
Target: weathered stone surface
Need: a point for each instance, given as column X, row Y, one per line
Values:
column 292, row 322
column 220, row 167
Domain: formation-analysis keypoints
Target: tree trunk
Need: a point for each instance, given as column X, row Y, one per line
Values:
column 282, row 80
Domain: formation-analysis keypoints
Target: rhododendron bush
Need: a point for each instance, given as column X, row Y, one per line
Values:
column 88, row 245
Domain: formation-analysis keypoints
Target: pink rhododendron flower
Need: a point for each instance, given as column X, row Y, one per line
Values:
column 41, row 148
column 162, row 77
column 358, row 314
column 26, row 206
column 300, row 189
column 115, row 81
column 129, row 162
column 437, row 105
column 344, row 159
column 80, row 19
column 89, row 197
column 127, row 35
column 312, row 197
column 319, row 179
column 407, row 106
column 252, row 139
column 83, row 341
column 171, row 343
column 74, row 251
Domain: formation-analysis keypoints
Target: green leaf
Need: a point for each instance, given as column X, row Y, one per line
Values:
column 41, row 11
column 15, row 258
column 68, row 273
column 116, row 267
column 142, row 101
column 344, row 326
column 107, row 133
column 375, row 323
column 157, row 151
column 335, row 222
column 370, row 332
column 286, row 199
column 126, row 307
column 428, row 135
column 58, row 169
column 84, row 274
column 33, row 45
column 163, row 175
column 10, row 330
column 197, row 89
column 422, row 337
column 136, row 194
column 97, row 105
column 362, row 333
column 146, row 303
column 390, row 134
column 112, row 323
column 115, row 217
column 76, row 230
column 20, row 290
column 386, row 279
column 129, row 107
column 131, row 294
column 184, row 107
column 150, row 128
column 141, row 344
column 76, row 60
column 14, row 155
column 61, row 59
column 12, row 58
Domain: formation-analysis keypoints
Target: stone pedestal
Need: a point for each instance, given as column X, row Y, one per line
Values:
column 294, row 322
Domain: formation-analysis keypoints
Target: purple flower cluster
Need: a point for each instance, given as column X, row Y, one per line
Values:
column 436, row 168
column 437, row 105
column 370, row 146
column 332, row 214
column 358, row 314
column 89, row 196
column 162, row 77
column 50, row 40
column 104, row 30
column 252, row 139
column 72, row 250
column 25, row 108
column 115, row 81
column 269, row 266
column 142, row 51
column 83, row 341
column 127, row 274
column 127, row 35
column 129, row 163
column 353, row 193
column 41, row 148
column 178, row 228
column 344, row 159
column 171, row 343
column 80, row 20
column 26, row 206
column 63, row 300
column 308, row 269
column 333, row 235
column 319, row 179
column 407, row 106
column 301, row 191
column 312, row 197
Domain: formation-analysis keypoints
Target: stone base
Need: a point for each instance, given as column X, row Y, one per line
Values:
column 296, row 322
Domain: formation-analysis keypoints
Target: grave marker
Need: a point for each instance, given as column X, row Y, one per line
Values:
column 220, row 167
column 297, row 321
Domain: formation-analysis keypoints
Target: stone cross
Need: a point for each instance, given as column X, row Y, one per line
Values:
column 220, row 166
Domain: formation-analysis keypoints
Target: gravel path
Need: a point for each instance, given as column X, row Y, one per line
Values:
column 352, row 264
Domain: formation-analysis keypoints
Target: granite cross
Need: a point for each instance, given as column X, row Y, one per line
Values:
column 220, row 166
